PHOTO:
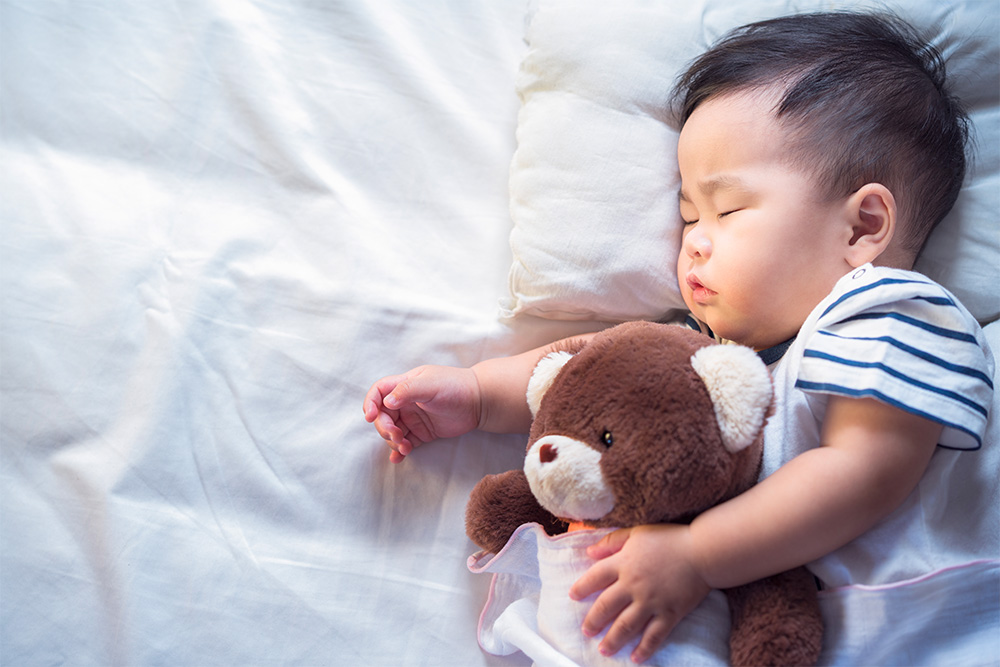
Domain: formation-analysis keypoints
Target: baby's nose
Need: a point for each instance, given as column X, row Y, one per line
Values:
column 696, row 244
column 547, row 453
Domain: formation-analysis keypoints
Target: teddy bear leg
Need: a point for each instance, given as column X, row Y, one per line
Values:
column 776, row 621
column 499, row 504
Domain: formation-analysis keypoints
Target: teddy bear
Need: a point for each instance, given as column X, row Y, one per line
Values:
column 651, row 423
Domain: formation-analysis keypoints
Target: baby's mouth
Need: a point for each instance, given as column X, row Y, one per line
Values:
column 699, row 292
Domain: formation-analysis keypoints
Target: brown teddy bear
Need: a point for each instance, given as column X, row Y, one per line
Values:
column 652, row 423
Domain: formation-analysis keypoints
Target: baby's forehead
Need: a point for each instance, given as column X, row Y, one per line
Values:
column 729, row 140
column 753, row 102
column 739, row 123
column 750, row 110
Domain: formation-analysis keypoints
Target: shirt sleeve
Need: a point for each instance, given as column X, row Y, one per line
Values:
column 904, row 340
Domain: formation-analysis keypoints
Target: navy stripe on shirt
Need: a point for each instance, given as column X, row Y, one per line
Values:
column 901, row 376
column 926, row 356
column 874, row 393
column 877, row 283
column 936, row 330
column 936, row 300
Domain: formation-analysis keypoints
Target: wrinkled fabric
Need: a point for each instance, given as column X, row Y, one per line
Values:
column 949, row 617
column 221, row 222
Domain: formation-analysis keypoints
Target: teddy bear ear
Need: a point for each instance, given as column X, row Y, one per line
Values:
column 740, row 387
column 543, row 376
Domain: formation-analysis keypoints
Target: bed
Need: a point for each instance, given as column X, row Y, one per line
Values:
column 223, row 220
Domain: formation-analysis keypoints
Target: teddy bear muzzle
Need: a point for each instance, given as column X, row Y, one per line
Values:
column 565, row 476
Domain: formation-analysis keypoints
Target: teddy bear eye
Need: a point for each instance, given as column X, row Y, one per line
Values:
column 607, row 438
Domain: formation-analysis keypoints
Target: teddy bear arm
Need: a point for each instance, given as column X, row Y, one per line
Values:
column 776, row 621
column 499, row 504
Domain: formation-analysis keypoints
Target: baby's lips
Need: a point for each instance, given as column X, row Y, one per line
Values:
column 695, row 285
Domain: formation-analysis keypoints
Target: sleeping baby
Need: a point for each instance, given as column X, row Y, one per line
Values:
column 817, row 152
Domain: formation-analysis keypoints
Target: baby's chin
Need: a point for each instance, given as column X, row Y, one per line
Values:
column 721, row 326
column 724, row 329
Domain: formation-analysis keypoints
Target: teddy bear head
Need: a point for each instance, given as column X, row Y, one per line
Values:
column 646, row 423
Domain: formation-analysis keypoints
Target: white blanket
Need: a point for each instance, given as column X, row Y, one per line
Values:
column 220, row 222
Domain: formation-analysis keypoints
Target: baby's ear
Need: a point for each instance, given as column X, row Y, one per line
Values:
column 543, row 376
column 872, row 210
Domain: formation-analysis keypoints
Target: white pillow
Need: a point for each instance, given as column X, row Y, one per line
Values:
column 594, row 180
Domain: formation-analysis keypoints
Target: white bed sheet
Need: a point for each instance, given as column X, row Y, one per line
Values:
column 221, row 221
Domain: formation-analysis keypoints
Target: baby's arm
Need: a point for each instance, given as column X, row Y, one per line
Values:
column 431, row 402
column 872, row 457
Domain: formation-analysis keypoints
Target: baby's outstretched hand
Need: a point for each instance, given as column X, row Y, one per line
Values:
column 424, row 404
column 647, row 583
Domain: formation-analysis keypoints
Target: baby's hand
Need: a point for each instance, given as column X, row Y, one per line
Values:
column 421, row 405
column 648, row 585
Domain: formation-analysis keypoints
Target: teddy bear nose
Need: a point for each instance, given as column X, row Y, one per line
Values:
column 547, row 453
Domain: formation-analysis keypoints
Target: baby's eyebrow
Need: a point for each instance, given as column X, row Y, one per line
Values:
column 713, row 184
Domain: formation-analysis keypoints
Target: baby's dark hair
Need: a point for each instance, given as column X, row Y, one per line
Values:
column 864, row 100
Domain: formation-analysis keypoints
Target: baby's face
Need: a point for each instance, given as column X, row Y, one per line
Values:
column 760, row 247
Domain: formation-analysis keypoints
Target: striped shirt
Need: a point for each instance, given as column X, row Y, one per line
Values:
column 901, row 338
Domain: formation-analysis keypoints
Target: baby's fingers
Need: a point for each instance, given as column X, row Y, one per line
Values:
column 410, row 390
column 630, row 623
column 392, row 431
column 374, row 399
column 656, row 633
column 606, row 608
column 597, row 577
column 610, row 544
column 395, row 437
